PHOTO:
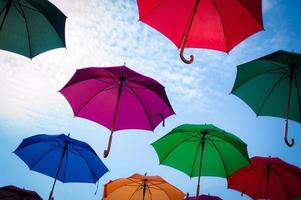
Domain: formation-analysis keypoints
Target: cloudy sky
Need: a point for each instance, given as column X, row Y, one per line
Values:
column 107, row 33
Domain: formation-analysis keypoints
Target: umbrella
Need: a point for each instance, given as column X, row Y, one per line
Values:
column 202, row 150
column 31, row 27
column 11, row 192
column 267, row 178
column 117, row 98
column 61, row 157
column 210, row 24
column 139, row 187
column 202, row 197
column 276, row 78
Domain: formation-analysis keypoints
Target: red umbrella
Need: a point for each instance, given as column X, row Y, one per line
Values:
column 14, row 193
column 267, row 178
column 117, row 98
column 210, row 24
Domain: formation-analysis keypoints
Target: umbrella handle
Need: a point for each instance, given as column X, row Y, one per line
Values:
column 183, row 58
column 162, row 117
column 187, row 196
column 107, row 151
column 288, row 143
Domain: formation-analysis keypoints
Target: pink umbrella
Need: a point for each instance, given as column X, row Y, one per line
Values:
column 117, row 98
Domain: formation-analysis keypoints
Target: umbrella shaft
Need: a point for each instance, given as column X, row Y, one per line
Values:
column 195, row 7
column 58, row 170
column 201, row 163
column 268, row 179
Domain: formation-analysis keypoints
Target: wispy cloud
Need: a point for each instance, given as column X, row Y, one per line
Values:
column 107, row 33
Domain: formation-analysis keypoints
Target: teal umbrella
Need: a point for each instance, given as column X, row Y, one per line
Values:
column 270, row 85
column 31, row 27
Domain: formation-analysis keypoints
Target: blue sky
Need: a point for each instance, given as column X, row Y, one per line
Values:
column 107, row 33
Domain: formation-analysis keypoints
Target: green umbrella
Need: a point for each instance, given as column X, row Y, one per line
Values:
column 202, row 150
column 31, row 27
column 271, row 86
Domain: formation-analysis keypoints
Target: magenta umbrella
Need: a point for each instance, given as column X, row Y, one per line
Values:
column 117, row 98
column 202, row 197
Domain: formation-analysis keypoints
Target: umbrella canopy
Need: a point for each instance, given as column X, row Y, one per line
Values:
column 61, row 157
column 210, row 24
column 31, row 27
column 117, row 98
column 202, row 150
column 276, row 78
column 267, row 178
column 11, row 192
column 139, row 187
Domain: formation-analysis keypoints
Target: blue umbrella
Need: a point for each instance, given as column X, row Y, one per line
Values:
column 61, row 157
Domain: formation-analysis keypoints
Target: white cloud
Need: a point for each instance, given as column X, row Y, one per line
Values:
column 106, row 33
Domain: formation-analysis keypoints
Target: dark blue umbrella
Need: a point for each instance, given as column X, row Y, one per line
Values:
column 61, row 157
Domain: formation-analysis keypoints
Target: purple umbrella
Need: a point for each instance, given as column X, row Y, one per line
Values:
column 11, row 192
column 202, row 197
column 117, row 98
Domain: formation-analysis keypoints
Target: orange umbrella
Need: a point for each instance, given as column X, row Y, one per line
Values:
column 139, row 187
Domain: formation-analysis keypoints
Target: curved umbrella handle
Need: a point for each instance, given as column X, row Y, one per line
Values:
column 290, row 144
column 183, row 58
column 107, row 151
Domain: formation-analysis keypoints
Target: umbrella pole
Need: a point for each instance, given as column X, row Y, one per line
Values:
column 58, row 170
column 201, row 162
column 7, row 7
column 144, row 189
column 290, row 144
column 107, row 151
column 184, row 39
column 268, row 179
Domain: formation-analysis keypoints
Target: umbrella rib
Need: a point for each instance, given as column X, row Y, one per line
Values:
column 27, row 29
column 43, row 156
column 259, row 180
column 283, row 77
column 66, row 156
column 25, row 6
column 220, row 155
column 278, row 65
column 176, row 146
column 194, row 160
column 223, row 26
column 148, row 189
column 53, row 25
column 240, row 175
column 298, row 94
column 107, row 82
column 155, row 7
column 90, row 99
column 80, row 154
column 2, row 10
column 163, row 189
column 145, row 110
column 230, row 143
column 243, row 5
column 249, row 79
column 138, row 188
column 279, row 177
